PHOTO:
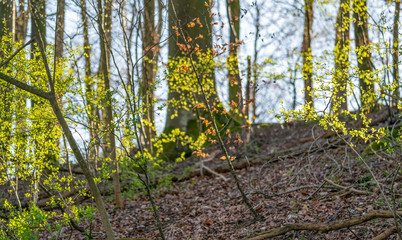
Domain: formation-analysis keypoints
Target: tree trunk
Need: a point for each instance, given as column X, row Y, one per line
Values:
column 255, row 65
column 342, row 49
column 306, row 52
column 109, row 142
column 59, row 38
column 235, row 87
column 150, row 49
column 90, row 94
column 38, row 32
column 7, row 17
column 21, row 21
column 363, row 49
column 395, row 53
column 38, row 25
column 182, row 12
column 6, row 93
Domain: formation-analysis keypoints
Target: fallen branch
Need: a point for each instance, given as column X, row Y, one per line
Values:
column 351, row 189
column 321, row 227
column 385, row 234
column 291, row 190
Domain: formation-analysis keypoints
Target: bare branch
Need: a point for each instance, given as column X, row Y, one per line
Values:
column 16, row 52
column 31, row 89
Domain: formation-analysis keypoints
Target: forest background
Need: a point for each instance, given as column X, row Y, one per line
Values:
column 126, row 90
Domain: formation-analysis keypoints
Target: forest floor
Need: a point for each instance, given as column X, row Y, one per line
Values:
column 293, row 173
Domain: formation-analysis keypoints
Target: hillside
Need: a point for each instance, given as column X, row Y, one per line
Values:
column 294, row 173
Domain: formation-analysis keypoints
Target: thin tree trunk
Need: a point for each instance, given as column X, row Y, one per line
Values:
column 395, row 53
column 306, row 52
column 90, row 94
column 109, row 142
column 247, row 107
column 342, row 49
column 38, row 32
column 255, row 65
column 59, row 29
column 150, row 49
column 20, row 23
column 59, row 46
column 363, row 49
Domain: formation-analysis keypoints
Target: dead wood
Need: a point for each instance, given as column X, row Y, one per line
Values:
column 321, row 227
column 351, row 189
column 291, row 190
column 385, row 234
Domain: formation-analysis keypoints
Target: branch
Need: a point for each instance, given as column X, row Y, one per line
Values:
column 16, row 52
column 31, row 89
column 346, row 188
column 385, row 234
column 392, row 96
column 321, row 227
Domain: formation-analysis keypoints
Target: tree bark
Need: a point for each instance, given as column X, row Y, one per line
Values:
column 255, row 64
column 235, row 86
column 363, row 49
column 306, row 52
column 7, row 17
column 21, row 21
column 150, row 49
column 342, row 49
column 38, row 32
column 181, row 13
column 7, row 26
column 90, row 94
column 59, row 37
column 395, row 53
column 109, row 142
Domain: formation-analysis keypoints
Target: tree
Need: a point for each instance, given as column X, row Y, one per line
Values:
column 342, row 49
column 59, row 35
column 38, row 32
column 7, row 26
column 150, row 48
column 363, row 51
column 109, row 142
column 395, row 52
column 51, row 97
column 235, row 84
column 182, row 13
column 253, row 93
column 90, row 93
column 7, row 16
column 306, row 52
column 21, row 22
